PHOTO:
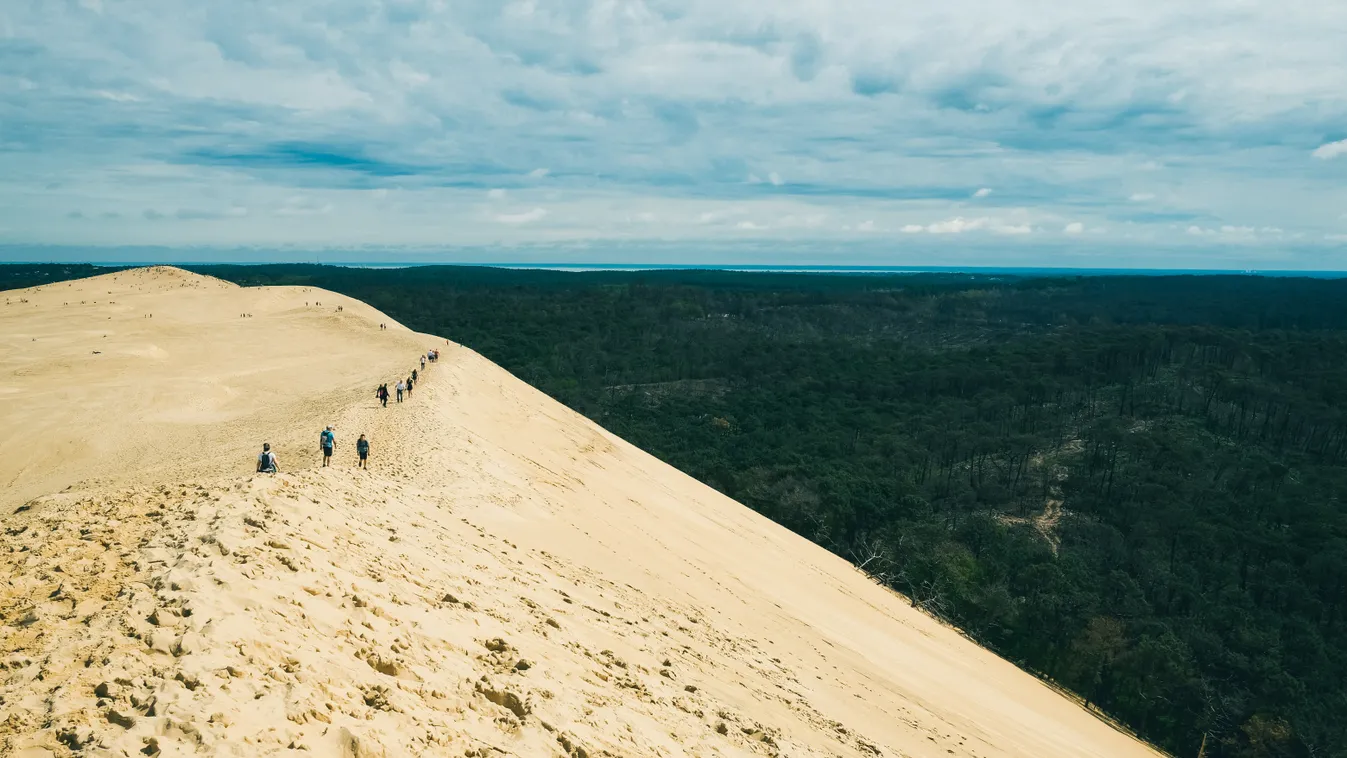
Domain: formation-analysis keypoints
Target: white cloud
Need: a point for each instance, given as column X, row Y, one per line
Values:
column 1331, row 150
column 1075, row 227
column 958, row 225
column 303, row 205
column 749, row 226
column 1141, row 197
column 525, row 217
column 496, row 194
column 775, row 179
column 985, row 191
column 539, row 173
column 913, row 228
column 866, row 226
column 117, row 97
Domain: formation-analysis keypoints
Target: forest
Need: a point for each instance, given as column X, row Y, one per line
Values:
column 1131, row 486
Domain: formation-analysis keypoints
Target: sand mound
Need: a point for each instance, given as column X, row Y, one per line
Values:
column 506, row 579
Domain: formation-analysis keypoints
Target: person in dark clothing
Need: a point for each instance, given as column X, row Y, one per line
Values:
column 362, row 452
column 383, row 394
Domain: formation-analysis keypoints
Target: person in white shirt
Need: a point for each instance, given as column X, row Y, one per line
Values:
column 402, row 387
column 266, row 462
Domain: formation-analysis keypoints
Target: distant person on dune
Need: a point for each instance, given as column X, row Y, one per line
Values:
column 382, row 394
column 362, row 451
column 326, row 441
column 423, row 363
column 414, row 374
column 266, row 462
column 410, row 382
column 402, row 387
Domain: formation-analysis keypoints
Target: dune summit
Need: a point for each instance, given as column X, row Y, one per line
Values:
column 506, row 579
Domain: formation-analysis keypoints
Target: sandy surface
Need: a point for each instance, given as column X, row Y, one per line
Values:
column 506, row 579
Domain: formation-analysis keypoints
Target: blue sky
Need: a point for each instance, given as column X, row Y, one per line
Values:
column 1143, row 133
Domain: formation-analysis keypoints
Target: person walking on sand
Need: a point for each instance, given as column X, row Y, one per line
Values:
column 362, row 451
column 266, row 462
column 326, row 441
column 414, row 375
column 402, row 387
column 382, row 394
column 423, row 363
column 410, row 382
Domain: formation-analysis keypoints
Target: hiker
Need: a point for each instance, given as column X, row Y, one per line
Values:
column 402, row 387
column 362, row 450
column 382, row 394
column 326, row 441
column 414, row 375
column 423, row 363
column 266, row 462
column 409, row 387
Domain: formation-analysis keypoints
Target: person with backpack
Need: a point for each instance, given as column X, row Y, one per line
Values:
column 266, row 462
column 362, row 452
column 402, row 387
column 326, row 442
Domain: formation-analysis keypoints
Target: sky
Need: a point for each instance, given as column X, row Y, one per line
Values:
column 1145, row 133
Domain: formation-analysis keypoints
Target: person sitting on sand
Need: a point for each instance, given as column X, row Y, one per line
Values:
column 362, row 451
column 326, row 441
column 266, row 462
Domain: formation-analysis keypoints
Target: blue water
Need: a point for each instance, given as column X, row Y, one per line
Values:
column 779, row 268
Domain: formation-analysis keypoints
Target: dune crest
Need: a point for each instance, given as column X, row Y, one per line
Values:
column 506, row 579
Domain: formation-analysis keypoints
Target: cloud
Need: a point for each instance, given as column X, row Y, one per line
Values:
column 957, row 225
column 1331, row 150
column 303, row 205
column 525, row 217
column 1075, row 227
column 393, row 122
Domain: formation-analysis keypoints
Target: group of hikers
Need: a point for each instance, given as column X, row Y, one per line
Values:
column 267, row 462
column 327, row 439
column 404, row 387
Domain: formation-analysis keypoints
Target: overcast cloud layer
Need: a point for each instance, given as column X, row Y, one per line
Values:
column 1018, row 132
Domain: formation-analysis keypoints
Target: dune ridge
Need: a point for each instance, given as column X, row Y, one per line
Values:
column 506, row 579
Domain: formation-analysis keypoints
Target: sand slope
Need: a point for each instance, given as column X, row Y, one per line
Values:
column 507, row 579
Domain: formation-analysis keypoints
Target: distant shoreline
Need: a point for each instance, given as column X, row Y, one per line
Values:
column 740, row 268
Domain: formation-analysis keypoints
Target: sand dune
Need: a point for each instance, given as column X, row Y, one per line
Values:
column 506, row 579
